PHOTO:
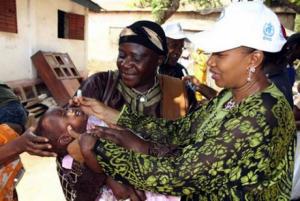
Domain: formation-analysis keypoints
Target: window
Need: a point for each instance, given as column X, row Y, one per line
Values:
column 70, row 25
column 8, row 16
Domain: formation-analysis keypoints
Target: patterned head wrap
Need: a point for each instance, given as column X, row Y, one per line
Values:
column 146, row 33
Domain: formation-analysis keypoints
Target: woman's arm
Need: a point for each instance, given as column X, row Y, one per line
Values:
column 178, row 132
column 28, row 142
column 240, row 157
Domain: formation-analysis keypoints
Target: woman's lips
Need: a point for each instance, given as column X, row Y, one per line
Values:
column 127, row 75
column 215, row 75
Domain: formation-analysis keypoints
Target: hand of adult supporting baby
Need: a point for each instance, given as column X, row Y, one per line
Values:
column 122, row 137
column 34, row 145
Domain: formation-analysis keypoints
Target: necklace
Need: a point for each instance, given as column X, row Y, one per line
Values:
column 143, row 96
column 138, row 101
column 230, row 104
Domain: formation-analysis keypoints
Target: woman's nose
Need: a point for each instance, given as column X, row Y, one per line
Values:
column 210, row 61
column 126, row 63
column 177, row 50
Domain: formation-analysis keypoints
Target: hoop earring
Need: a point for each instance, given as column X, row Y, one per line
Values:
column 251, row 70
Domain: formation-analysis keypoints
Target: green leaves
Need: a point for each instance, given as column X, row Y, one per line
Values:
column 164, row 9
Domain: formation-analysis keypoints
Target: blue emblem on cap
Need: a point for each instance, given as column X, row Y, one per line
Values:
column 268, row 31
column 221, row 15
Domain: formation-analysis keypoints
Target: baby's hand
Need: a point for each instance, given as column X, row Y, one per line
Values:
column 123, row 191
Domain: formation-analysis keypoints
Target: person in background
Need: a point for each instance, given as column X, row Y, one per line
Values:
column 175, row 40
column 11, row 146
column 13, row 118
column 12, row 111
column 292, row 53
column 279, row 68
column 296, row 180
column 238, row 146
column 292, row 49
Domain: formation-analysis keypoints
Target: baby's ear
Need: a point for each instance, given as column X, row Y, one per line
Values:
column 65, row 139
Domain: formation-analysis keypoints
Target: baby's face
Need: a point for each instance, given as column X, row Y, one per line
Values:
column 58, row 119
column 73, row 117
column 55, row 123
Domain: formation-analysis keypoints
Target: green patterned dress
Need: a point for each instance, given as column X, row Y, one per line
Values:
column 243, row 153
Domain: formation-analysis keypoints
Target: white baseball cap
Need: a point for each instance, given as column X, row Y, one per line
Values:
column 174, row 31
column 249, row 24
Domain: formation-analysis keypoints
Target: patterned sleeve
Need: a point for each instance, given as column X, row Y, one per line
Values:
column 246, row 154
column 177, row 132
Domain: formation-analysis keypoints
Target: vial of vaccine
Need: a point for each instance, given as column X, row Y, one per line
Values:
column 79, row 93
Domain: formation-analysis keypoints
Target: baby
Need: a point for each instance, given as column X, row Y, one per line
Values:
column 54, row 125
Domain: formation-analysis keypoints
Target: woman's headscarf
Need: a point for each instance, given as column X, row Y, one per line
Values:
column 146, row 33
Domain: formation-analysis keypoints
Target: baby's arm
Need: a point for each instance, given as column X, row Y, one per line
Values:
column 86, row 145
column 81, row 149
column 120, row 191
column 74, row 151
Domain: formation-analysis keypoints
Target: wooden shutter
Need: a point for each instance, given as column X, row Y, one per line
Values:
column 8, row 16
column 76, row 26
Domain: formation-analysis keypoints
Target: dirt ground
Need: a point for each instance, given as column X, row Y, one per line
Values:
column 40, row 181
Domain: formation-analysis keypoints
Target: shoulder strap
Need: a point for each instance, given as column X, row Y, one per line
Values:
column 174, row 97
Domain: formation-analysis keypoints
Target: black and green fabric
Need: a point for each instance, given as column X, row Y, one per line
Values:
column 243, row 153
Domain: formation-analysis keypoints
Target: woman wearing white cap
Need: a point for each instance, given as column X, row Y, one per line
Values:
column 240, row 146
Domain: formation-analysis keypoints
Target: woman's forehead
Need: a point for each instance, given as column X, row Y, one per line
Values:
column 136, row 48
column 238, row 50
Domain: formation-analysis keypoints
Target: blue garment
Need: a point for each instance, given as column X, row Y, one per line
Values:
column 13, row 112
column 291, row 74
column 283, row 83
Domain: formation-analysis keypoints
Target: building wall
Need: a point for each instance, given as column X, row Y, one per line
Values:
column 37, row 30
column 104, row 28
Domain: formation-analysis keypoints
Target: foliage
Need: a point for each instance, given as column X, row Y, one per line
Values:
column 142, row 3
column 159, row 7
column 297, row 23
column 164, row 9
column 206, row 3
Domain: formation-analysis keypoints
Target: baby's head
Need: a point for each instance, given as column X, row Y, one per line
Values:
column 53, row 125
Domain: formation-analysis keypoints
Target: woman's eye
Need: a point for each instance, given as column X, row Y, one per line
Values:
column 121, row 55
column 137, row 59
column 219, row 55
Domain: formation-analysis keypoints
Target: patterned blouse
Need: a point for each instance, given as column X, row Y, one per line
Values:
column 243, row 153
